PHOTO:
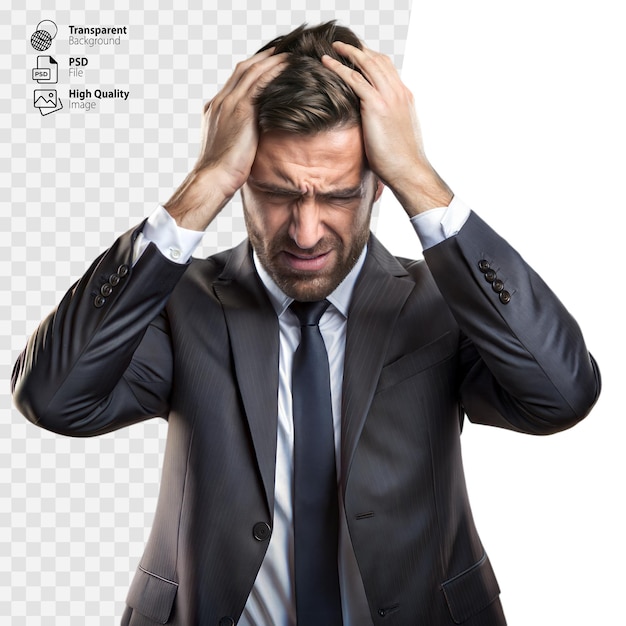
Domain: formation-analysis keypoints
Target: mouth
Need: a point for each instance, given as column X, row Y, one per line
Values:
column 306, row 262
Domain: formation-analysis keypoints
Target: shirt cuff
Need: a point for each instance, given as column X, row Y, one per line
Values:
column 436, row 225
column 175, row 243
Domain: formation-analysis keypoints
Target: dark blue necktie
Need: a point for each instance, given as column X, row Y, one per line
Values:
column 316, row 516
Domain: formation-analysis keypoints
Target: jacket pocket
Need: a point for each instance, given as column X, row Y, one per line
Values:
column 408, row 365
column 471, row 591
column 152, row 595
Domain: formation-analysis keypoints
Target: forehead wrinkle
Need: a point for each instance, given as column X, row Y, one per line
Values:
column 307, row 180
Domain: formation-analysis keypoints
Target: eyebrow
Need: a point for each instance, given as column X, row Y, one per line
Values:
column 347, row 192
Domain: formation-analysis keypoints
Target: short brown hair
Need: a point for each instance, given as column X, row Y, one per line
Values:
column 307, row 97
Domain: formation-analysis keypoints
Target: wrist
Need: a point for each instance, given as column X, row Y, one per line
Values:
column 198, row 200
column 421, row 191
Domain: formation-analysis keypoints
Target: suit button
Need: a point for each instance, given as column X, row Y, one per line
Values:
column 99, row 301
column 122, row 270
column 483, row 265
column 505, row 297
column 261, row 531
column 106, row 290
column 227, row 621
column 490, row 276
column 114, row 279
column 497, row 285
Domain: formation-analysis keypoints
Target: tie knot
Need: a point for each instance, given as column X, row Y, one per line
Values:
column 309, row 313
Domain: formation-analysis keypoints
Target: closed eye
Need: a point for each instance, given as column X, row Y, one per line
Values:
column 281, row 196
column 342, row 199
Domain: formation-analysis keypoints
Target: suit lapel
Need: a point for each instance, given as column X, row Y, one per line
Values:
column 253, row 330
column 378, row 297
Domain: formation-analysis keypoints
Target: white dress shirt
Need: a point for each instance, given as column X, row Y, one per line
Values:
column 272, row 599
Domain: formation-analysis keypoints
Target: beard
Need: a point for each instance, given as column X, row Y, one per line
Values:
column 308, row 286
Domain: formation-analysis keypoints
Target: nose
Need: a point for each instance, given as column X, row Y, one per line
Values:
column 306, row 227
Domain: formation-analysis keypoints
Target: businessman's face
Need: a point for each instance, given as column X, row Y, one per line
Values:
column 307, row 205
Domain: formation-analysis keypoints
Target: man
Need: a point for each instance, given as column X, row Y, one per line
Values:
column 310, row 129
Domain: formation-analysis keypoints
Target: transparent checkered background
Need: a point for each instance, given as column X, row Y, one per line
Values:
column 75, row 513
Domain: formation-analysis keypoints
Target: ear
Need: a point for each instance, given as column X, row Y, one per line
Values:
column 379, row 189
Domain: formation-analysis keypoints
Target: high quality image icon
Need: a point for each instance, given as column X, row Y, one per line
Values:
column 46, row 101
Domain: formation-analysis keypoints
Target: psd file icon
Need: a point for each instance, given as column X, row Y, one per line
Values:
column 46, row 101
column 47, row 70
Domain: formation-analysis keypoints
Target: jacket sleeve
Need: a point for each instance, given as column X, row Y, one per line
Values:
column 102, row 359
column 524, row 361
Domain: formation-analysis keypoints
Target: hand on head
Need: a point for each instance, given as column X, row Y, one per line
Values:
column 229, row 142
column 391, row 131
column 273, row 91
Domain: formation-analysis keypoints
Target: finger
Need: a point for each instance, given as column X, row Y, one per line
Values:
column 360, row 56
column 255, row 76
column 265, row 71
column 377, row 68
column 241, row 93
column 242, row 66
column 353, row 79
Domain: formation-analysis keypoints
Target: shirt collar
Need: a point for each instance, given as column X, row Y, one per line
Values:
column 339, row 298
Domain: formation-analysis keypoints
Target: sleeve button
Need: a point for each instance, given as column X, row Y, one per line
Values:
column 497, row 285
column 106, row 290
column 505, row 297
column 490, row 276
column 122, row 270
column 483, row 265
column 114, row 279
column 99, row 301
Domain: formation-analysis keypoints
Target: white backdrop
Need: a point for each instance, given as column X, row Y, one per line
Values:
column 522, row 108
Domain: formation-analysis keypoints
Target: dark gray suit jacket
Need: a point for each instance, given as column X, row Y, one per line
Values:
column 198, row 345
